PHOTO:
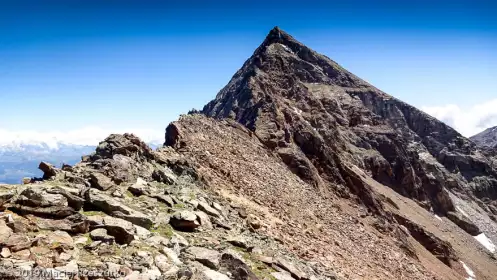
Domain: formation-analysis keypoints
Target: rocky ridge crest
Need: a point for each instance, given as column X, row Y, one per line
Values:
column 128, row 212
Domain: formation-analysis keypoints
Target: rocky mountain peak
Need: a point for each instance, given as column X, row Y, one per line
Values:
column 276, row 35
column 297, row 170
column 324, row 122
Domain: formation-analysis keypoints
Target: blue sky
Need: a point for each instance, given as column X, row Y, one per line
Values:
column 96, row 67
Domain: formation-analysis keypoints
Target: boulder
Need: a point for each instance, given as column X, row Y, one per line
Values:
column 207, row 257
column 139, row 188
column 184, row 220
column 115, row 208
column 288, row 266
column 38, row 201
column 57, row 212
column 204, row 219
column 60, row 239
column 217, row 206
column 73, row 200
column 5, row 231
column 204, row 206
column 48, row 170
column 136, row 218
column 5, row 253
column 166, row 199
column 122, row 230
column 39, row 197
column 100, row 181
column 123, row 144
column 163, row 263
column 141, row 232
column 236, row 266
column 22, row 255
column 5, row 196
column 220, row 223
column 284, row 275
column 463, row 222
column 16, row 242
column 239, row 241
column 100, row 234
column 164, row 175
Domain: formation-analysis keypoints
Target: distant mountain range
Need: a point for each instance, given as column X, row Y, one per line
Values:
column 20, row 159
column 486, row 138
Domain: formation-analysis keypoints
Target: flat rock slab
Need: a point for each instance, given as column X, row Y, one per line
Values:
column 207, row 257
column 100, row 181
column 109, row 205
column 204, row 206
column 288, row 266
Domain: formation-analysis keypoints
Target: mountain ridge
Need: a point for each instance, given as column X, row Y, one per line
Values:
column 486, row 138
column 251, row 95
column 326, row 124
column 296, row 170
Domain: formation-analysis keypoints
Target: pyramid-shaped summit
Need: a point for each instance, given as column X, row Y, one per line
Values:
column 316, row 147
column 280, row 54
column 304, row 171
column 322, row 120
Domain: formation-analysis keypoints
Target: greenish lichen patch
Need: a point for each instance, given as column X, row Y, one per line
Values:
column 164, row 230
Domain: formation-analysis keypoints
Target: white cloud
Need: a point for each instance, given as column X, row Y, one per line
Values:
column 468, row 121
column 81, row 136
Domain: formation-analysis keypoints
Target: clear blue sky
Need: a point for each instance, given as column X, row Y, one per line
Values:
column 65, row 65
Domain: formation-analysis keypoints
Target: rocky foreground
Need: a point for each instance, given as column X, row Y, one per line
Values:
column 130, row 212
column 297, row 170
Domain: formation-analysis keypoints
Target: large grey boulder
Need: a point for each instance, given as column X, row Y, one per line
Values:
column 207, row 257
column 100, row 181
column 122, row 230
column 184, row 220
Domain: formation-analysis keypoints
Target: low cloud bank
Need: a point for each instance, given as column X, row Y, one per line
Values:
column 467, row 121
column 90, row 136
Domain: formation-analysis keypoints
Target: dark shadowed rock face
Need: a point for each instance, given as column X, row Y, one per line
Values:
column 320, row 118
